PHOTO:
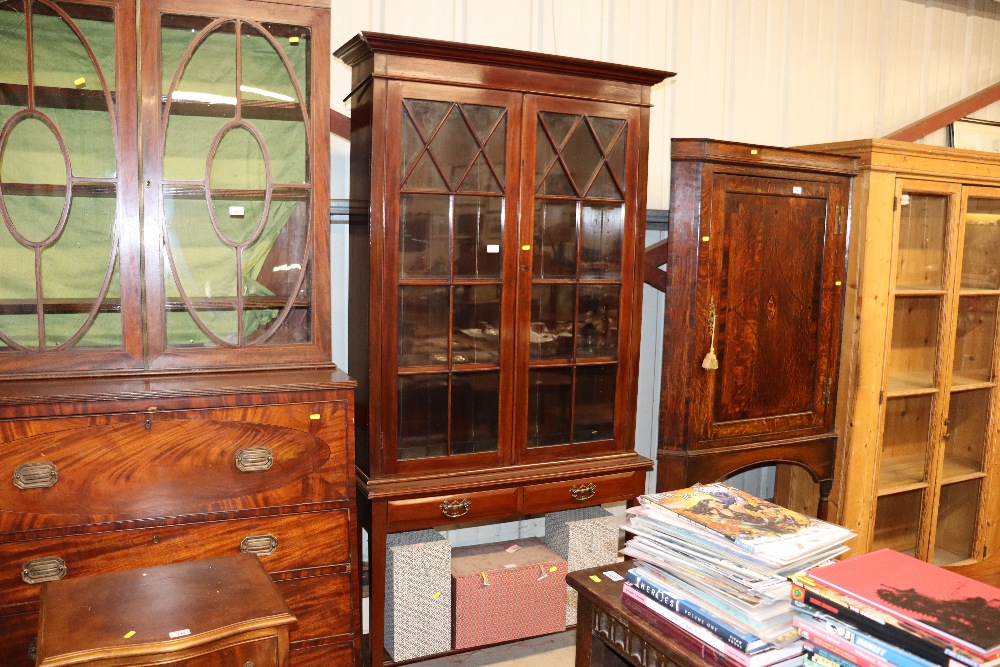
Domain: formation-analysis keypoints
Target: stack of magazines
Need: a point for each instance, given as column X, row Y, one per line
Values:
column 711, row 569
column 886, row 608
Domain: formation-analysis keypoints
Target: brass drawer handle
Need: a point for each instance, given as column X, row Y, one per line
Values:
column 583, row 492
column 38, row 475
column 254, row 459
column 47, row 568
column 456, row 508
column 259, row 545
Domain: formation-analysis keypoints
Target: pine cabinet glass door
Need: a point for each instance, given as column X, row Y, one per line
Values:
column 940, row 388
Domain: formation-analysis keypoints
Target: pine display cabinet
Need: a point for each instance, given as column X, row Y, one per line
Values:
column 920, row 358
column 496, row 281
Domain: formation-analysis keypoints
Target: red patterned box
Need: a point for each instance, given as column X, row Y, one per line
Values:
column 506, row 591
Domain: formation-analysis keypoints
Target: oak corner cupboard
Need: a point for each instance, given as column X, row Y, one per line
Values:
column 920, row 359
column 496, row 283
column 754, row 300
column 166, row 391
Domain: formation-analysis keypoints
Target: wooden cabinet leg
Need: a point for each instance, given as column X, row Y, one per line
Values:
column 376, row 583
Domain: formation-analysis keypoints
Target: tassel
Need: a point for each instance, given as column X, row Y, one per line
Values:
column 711, row 362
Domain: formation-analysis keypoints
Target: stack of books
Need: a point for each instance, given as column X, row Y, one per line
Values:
column 711, row 570
column 886, row 608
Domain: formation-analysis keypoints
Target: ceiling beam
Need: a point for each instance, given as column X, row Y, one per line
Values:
column 948, row 115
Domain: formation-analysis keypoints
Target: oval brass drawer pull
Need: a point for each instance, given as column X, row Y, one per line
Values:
column 47, row 568
column 38, row 475
column 583, row 492
column 254, row 459
column 456, row 508
column 260, row 545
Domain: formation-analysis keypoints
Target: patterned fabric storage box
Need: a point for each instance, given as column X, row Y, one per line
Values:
column 506, row 591
column 417, row 594
column 585, row 537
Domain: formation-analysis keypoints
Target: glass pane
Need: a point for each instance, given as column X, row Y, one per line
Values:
column 478, row 237
column 84, row 245
column 424, row 235
column 423, row 416
column 475, row 412
column 552, row 318
column 67, row 135
column 897, row 522
column 453, row 147
column 975, row 340
column 920, row 254
column 610, row 180
column 550, row 398
column 476, row 324
column 904, row 441
column 982, row 245
column 601, row 237
column 68, row 84
column 966, row 432
column 423, row 326
column 551, row 177
column 914, row 343
column 597, row 321
column 956, row 522
column 594, row 412
column 555, row 246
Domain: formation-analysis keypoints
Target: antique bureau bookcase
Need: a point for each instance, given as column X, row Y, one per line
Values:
column 496, row 284
column 755, row 269
column 920, row 357
column 166, row 391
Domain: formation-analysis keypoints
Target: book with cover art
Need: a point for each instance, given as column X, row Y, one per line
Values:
column 754, row 524
column 958, row 609
column 814, row 596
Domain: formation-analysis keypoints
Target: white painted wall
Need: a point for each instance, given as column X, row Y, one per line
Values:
column 777, row 72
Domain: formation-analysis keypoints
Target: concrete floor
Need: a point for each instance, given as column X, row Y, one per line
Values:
column 556, row 650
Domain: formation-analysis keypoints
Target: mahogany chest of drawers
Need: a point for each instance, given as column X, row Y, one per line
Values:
column 109, row 474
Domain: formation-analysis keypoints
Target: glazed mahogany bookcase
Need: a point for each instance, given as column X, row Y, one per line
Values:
column 496, row 283
column 166, row 391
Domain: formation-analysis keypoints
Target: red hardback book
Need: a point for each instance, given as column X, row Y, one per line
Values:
column 948, row 605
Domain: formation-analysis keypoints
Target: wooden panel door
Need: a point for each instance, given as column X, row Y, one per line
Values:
column 771, row 305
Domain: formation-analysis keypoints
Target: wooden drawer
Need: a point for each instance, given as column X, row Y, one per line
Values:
column 322, row 605
column 426, row 512
column 328, row 655
column 302, row 540
column 162, row 464
column 18, row 629
column 583, row 492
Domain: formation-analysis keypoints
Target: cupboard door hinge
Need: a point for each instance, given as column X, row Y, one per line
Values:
column 984, row 552
column 895, row 204
column 881, row 395
column 827, row 388
column 838, row 227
